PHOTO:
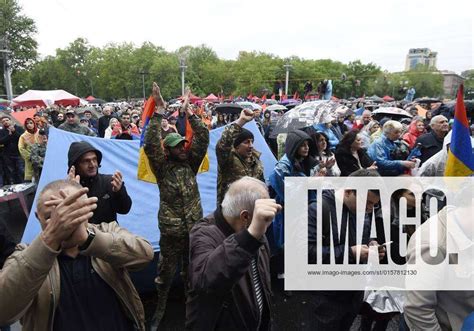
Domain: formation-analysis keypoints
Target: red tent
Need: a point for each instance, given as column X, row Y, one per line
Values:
column 21, row 116
column 192, row 98
column 388, row 98
column 211, row 98
column 90, row 98
column 46, row 98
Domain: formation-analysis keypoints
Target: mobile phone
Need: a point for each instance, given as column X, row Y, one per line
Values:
column 385, row 245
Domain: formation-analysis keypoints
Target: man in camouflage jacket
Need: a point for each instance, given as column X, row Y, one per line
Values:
column 236, row 157
column 38, row 151
column 71, row 125
column 175, row 170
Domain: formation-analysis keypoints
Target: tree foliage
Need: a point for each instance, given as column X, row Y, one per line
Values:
column 17, row 35
column 122, row 71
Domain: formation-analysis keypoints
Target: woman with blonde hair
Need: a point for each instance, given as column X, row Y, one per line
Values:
column 108, row 132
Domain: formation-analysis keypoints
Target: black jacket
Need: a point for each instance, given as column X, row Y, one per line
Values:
column 7, row 244
column 430, row 145
column 222, row 296
column 347, row 163
column 103, row 124
column 10, row 141
column 109, row 203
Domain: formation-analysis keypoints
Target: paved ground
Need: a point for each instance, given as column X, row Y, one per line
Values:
column 287, row 308
column 287, row 311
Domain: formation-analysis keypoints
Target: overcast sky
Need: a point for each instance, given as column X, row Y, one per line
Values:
column 379, row 31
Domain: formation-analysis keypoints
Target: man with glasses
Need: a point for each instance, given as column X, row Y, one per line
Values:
column 71, row 125
column 83, row 167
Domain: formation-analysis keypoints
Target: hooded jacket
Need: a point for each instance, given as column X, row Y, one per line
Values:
column 25, row 142
column 109, row 203
column 412, row 134
column 288, row 166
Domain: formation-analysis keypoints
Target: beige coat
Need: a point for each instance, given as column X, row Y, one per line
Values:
column 30, row 278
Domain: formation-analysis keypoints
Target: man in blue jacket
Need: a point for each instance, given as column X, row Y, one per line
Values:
column 381, row 151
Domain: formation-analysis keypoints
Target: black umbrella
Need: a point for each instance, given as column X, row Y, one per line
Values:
column 228, row 108
column 427, row 100
column 98, row 101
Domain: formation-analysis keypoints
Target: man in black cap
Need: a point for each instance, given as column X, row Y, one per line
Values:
column 71, row 125
column 83, row 166
column 236, row 157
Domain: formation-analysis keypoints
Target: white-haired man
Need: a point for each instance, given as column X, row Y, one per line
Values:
column 432, row 142
column 229, row 262
column 381, row 151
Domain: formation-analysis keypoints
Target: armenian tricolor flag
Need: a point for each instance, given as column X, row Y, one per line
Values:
column 144, row 171
column 460, row 161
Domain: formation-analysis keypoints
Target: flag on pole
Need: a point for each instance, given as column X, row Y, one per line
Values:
column 144, row 171
column 460, row 161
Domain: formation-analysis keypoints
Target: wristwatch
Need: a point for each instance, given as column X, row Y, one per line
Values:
column 87, row 243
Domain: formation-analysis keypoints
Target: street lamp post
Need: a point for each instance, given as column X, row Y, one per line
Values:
column 6, row 69
column 287, row 68
column 143, row 73
column 183, row 67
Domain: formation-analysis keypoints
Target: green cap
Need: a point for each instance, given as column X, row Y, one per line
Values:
column 173, row 139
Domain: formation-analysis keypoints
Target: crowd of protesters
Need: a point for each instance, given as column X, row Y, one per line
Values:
column 224, row 257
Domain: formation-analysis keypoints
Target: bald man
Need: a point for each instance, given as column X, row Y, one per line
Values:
column 74, row 275
column 432, row 142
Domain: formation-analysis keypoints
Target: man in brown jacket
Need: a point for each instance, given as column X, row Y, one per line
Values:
column 74, row 275
column 229, row 262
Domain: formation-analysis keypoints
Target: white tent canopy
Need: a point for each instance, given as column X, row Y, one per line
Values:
column 46, row 98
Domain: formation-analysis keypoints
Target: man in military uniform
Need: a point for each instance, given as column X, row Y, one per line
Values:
column 38, row 152
column 175, row 169
column 71, row 125
column 236, row 157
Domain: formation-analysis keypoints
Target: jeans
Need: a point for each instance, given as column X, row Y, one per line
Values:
column 14, row 169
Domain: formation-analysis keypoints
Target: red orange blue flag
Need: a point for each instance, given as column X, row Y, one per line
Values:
column 460, row 161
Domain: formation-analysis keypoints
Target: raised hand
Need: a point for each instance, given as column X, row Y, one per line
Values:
column 68, row 212
column 117, row 181
column 71, row 175
column 187, row 94
column 263, row 214
column 246, row 115
column 156, row 93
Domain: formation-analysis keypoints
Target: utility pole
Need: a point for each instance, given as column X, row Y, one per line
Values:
column 183, row 67
column 287, row 68
column 6, row 69
column 143, row 73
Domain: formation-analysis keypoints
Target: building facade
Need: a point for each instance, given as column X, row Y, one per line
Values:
column 418, row 56
column 451, row 81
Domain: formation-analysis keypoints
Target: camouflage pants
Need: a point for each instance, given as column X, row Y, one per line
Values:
column 174, row 251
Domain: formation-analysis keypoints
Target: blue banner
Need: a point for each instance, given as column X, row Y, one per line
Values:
column 123, row 155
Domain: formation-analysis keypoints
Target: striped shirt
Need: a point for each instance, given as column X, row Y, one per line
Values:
column 257, row 285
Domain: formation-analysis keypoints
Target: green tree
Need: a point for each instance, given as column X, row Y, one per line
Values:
column 426, row 81
column 17, row 35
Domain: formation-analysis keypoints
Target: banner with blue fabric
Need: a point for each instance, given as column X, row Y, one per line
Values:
column 123, row 155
